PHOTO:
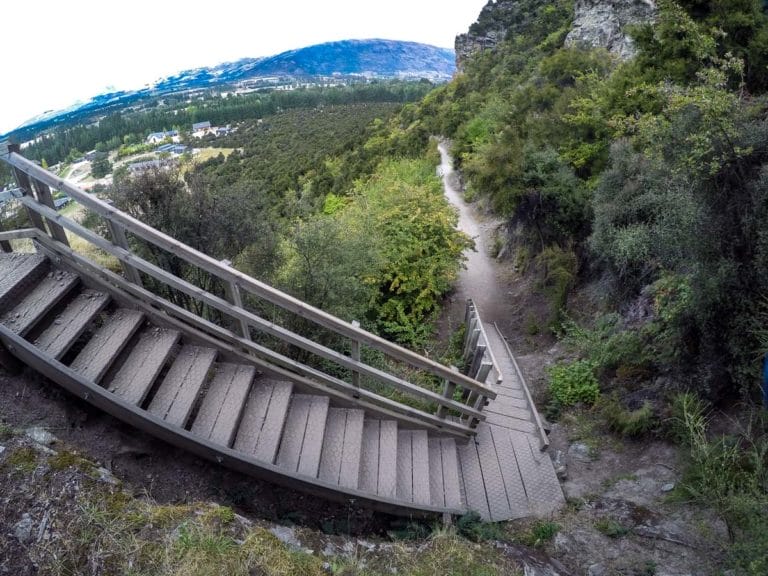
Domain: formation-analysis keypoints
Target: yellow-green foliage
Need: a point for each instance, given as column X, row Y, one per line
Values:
column 573, row 382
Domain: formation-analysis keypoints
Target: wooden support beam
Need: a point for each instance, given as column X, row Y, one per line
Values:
column 44, row 196
column 234, row 296
column 9, row 362
column 23, row 182
column 120, row 239
column 354, row 352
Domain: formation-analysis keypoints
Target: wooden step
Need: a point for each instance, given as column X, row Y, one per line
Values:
column 444, row 473
column 17, row 272
column 180, row 388
column 263, row 419
column 224, row 402
column 103, row 348
column 378, row 460
column 342, row 443
column 302, row 441
column 144, row 362
column 73, row 320
column 413, row 466
column 37, row 303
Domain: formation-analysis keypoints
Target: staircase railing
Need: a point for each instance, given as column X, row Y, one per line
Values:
column 450, row 400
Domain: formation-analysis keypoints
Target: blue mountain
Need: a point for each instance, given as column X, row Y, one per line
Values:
column 374, row 58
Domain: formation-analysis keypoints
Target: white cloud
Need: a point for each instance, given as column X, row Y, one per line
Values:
column 63, row 51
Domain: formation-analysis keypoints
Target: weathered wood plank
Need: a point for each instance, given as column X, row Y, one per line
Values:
column 74, row 319
column 312, row 445
column 349, row 473
column 289, row 454
column 405, row 465
column 103, row 348
column 224, row 402
column 35, row 305
column 18, row 271
column 369, row 459
column 263, row 419
column 452, row 491
column 472, row 477
column 420, row 466
column 136, row 376
column 388, row 439
column 333, row 445
column 179, row 390
column 538, row 474
column 498, row 504
column 436, row 488
column 513, row 483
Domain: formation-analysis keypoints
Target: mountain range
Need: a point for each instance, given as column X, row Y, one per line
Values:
column 373, row 58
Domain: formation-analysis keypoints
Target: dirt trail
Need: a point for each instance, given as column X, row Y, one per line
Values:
column 483, row 279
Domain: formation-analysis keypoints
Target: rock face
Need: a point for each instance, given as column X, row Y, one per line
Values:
column 602, row 24
column 497, row 20
column 597, row 23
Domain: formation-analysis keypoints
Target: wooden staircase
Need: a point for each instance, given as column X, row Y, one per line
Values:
column 205, row 378
column 198, row 389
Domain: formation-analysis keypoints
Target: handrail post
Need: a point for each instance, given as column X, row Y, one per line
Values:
column 354, row 353
column 24, row 183
column 234, row 296
column 5, row 245
column 120, row 239
column 42, row 193
column 449, row 387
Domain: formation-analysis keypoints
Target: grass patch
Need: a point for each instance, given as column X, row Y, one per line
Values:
column 22, row 460
column 611, row 528
column 539, row 533
column 6, row 432
column 628, row 423
column 67, row 459
column 472, row 527
column 728, row 473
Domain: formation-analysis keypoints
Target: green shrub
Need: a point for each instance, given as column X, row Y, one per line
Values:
column 471, row 527
column 628, row 423
column 611, row 528
column 609, row 345
column 541, row 532
column 729, row 474
column 572, row 383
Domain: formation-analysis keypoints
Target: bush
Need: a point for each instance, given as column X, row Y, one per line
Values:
column 572, row 383
column 628, row 423
column 729, row 474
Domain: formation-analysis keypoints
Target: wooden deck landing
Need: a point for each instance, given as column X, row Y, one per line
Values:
column 504, row 473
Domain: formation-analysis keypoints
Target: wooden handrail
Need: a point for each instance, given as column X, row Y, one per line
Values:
column 241, row 280
column 241, row 314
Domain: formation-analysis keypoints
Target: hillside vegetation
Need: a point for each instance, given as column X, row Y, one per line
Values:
column 637, row 190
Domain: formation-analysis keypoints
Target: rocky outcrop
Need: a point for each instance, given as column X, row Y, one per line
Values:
column 497, row 20
column 597, row 23
column 602, row 24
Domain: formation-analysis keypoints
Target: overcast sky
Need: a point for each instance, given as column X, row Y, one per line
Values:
column 61, row 51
